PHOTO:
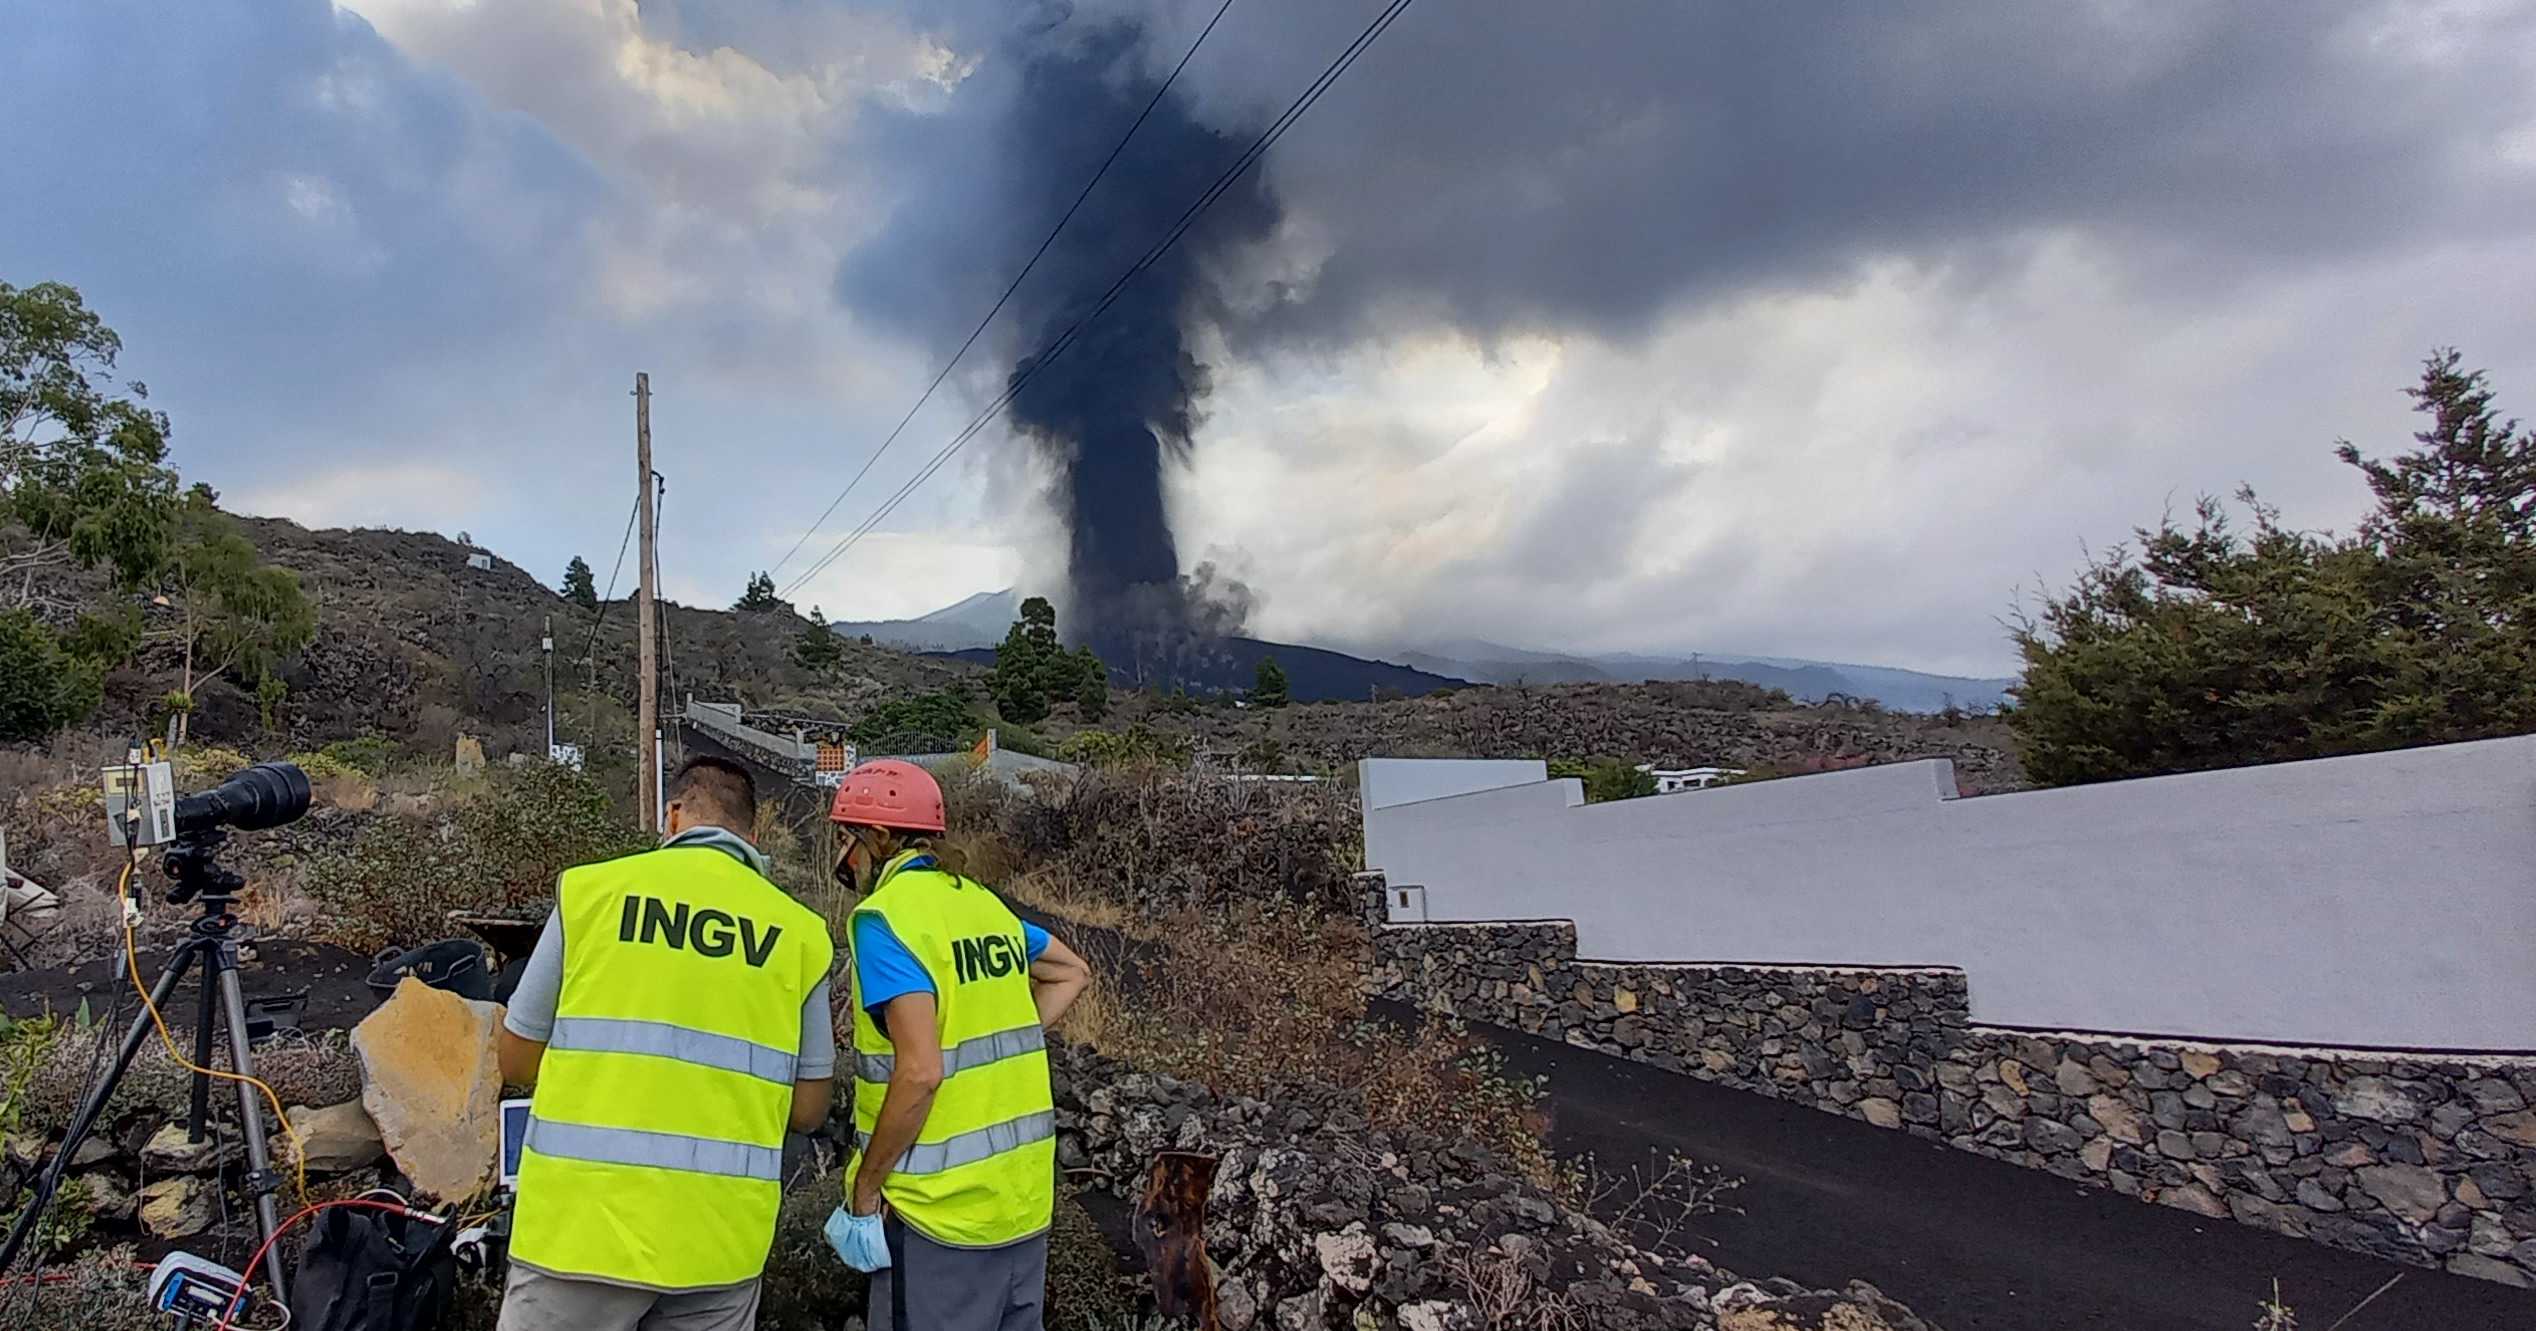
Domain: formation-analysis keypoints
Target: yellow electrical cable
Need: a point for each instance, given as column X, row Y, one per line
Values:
column 132, row 966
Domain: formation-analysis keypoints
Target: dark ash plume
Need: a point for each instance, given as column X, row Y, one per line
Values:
column 1118, row 409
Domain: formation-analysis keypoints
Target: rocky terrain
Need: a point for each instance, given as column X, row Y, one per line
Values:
column 1318, row 1220
column 1683, row 724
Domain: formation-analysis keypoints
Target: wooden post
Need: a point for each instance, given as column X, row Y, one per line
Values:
column 647, row 649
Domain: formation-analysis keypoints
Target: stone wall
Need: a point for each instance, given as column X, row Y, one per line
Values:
column 2429, row 1160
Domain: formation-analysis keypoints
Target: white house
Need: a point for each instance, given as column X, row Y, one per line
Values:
column 1672, row 780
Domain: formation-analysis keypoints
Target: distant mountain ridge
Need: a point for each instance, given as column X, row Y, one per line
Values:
column 979, row 622
column 1313, row 674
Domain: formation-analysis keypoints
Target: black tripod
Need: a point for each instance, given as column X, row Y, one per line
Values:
column 190, row 862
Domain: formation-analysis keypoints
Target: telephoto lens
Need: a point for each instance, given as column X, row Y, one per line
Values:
column 265, row 795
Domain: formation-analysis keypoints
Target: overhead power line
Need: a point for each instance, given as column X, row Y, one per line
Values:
column 1000, row 301
column 1066, row 339
column 590, row 652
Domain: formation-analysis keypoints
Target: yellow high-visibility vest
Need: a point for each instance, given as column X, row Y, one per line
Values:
column 656, row 1140
column 982, row 1172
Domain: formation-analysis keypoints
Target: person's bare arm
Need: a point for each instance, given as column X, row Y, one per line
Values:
column 519, row 1058
column 915, row 1073
column 1057, row 978
column 811, row 1102
column 529, row 1019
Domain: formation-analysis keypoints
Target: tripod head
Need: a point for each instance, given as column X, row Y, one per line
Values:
column 192, row 862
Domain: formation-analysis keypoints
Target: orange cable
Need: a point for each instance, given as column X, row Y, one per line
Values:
column 132, row 967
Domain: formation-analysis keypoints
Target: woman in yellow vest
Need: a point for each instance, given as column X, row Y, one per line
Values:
column 953, row 1176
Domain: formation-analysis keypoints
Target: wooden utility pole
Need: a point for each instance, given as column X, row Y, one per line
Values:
column 647, row 649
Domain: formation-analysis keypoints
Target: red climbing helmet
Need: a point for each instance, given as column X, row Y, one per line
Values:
column 887, row 792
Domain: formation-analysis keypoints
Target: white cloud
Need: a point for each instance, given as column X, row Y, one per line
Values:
column 414, row 496
column 1868, row 471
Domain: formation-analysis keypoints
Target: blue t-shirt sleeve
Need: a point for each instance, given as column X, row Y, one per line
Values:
column 1034, row 938
column 883, row 966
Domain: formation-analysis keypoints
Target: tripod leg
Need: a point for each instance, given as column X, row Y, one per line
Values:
column 251, row 1122
column 206, row 1021
column 95, row 1104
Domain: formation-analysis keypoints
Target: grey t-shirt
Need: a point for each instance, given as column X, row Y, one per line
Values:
column 531, row 1015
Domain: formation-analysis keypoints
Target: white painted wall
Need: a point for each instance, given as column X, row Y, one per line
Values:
column 2383, row 899
column 1382, row 783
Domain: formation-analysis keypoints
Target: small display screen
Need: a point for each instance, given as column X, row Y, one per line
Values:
column 514, row 1137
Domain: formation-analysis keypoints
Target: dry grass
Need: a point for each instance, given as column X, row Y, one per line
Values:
column 1270, row 997
column 1067, row 899
column 1505, row 1296
column 351, row 792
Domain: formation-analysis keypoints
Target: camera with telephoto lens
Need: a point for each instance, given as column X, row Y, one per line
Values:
column 143, row 808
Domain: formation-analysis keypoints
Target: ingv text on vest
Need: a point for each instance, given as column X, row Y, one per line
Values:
column 707, row 933
column 988, row 956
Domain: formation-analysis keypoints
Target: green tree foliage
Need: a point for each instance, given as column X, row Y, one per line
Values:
column 1268, row 684
column 579, row 587
column 42, row 686
column 1030, row 667
column 1136, row 746
column 1605, row 779
column 269, row 693
column 232, row 610
column 817, row 650
column 938, row 717
column 760, row 594
column 1614, row 779
column 1091, row 685
column 2210, row 648
column 82, row 474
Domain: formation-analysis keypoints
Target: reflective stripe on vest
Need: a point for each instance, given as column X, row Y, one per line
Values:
column 654, row 1155
column 616, row 1035
column 982, row 1170
column 961, row 1057
column 968, row 1148
column 658, row 1150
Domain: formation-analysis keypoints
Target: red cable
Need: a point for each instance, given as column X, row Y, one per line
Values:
column 228, row 1316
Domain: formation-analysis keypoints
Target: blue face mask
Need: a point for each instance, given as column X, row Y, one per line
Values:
column 858, row 1240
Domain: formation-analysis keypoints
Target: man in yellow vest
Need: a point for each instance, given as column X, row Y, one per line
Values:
column 953, row 1177
column 674, row 1020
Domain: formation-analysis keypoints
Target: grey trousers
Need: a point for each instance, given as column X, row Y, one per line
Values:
column 535, row 1301
column 933, row 1287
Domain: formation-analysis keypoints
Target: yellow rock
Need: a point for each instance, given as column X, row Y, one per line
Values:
column 431, row 1082
column 1625, row 999
column 2013, row 1073
column 2200, row 1064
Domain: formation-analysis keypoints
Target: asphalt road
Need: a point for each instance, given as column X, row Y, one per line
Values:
column 1971, row 1244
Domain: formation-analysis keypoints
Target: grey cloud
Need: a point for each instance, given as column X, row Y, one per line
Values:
column 1548, row 166
column 283, row 215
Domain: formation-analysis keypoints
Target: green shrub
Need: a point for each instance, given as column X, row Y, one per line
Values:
column 321, row 766
column 371, row 755
column 497, row 852
column 103, row 1293
column 209, row 762
column 1136, row 746
column 934, row 717
column 42, row 687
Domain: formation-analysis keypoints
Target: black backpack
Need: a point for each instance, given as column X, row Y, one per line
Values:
column 368, row 1270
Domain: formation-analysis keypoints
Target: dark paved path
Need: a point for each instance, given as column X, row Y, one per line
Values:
column 1972, row 1244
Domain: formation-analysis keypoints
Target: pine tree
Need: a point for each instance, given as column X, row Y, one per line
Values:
column 1030, row 667
column 1091, row 687
column 817, row 649
column 1268, row 684
column 760, row 594
column 579, row 587
column 2210, row 648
